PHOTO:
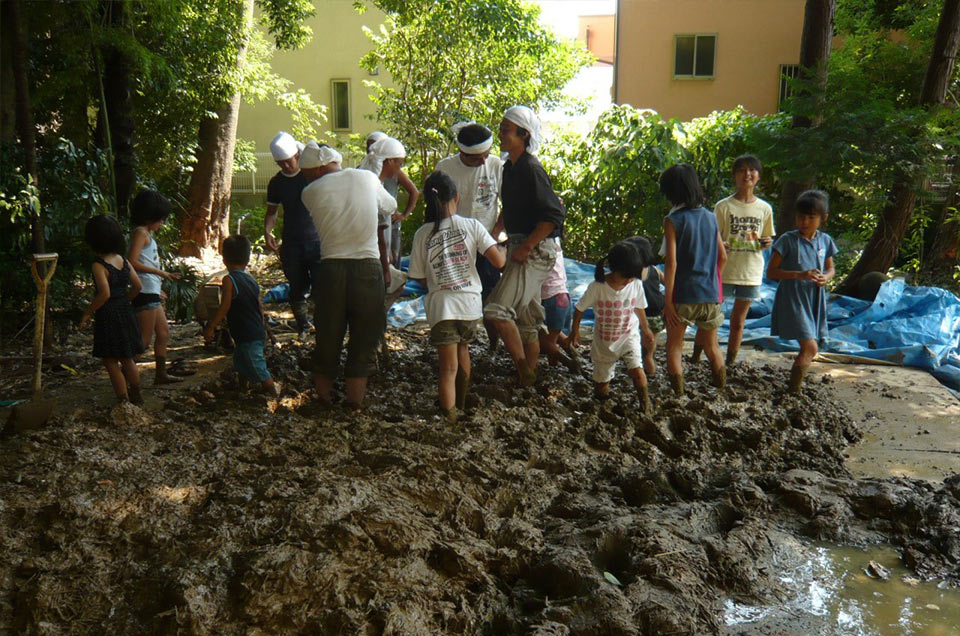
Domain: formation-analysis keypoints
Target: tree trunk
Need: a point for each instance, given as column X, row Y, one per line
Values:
column 24, row 116
column 884, row 245
column 119, row 107
column 8, row 109
column 814, row 55
column 945, row 246
column 207, row 219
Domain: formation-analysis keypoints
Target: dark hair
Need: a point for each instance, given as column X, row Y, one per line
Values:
column 149, row 207
column 438, row 190
column 523, row 132
column 104, row 235
column 681, row 186
column 236, row 250
column 813, row 203
column 473, row 134
column 624, row 259
column 750, row 161
column 644, row 247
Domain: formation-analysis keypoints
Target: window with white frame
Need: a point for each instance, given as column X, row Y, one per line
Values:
column 340, row 96
column 694, row 56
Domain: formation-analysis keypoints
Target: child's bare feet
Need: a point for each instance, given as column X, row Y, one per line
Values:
column 602, row 391
column 527, row 376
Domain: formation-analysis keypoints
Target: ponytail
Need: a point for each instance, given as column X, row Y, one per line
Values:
column 439, row 190
column 598, row 273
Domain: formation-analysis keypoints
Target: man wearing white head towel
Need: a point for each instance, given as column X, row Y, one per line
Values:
column 478, row 175
column 393, row 179
column 300, row 247
column 532, row 216
column 347, row 207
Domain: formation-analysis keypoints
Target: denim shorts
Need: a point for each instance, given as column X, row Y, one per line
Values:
column 741, row 292
column 249, row 362
column 559, row 312
column 144, row 302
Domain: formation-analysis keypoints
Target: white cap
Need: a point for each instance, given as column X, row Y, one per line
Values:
column 382, row 149
column 283, row 146
column 315, row 156
column 524, row 117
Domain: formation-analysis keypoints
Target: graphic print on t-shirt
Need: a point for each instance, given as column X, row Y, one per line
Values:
column 744, row 233
column 486, row 190
column 450, row 259
column 612, row 318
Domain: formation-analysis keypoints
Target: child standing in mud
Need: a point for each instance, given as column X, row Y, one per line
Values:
column 618, row 305
column 148, row 212
column 116, row 335
column 240, row 304
column 555, row 298
column 746, row 227
column 694, row 261
column 802, row 261
column 443, row 255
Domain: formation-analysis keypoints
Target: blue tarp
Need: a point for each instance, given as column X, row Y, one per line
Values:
column 910, row 326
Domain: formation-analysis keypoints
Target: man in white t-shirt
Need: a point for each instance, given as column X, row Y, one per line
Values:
column 347, row 208
column 478, row 175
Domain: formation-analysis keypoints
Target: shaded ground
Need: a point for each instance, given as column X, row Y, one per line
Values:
column 541, row 512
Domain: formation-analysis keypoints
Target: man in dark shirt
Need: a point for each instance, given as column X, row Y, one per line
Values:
column 532, row 216
column 300, row 248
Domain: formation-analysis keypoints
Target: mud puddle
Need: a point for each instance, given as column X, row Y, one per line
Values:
column 541, row 512
column 839, row 590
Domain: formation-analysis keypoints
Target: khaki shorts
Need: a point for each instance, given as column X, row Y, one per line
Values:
column 703, row 315
column 448, row 332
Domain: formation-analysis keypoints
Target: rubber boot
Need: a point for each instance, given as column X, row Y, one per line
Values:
column 732, row 355
column 697, row 350
column 462, row 385
column 135, row 396
column 644, row 393
column 720, row 377
column 161, row 376
column 796, row 377
column 676, row 381
column 300, row 316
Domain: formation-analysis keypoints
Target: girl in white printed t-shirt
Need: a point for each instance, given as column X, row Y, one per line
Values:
column 444, row 255
column 618, row 302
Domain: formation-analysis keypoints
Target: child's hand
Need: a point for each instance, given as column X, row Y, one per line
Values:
column 396, row 216
column 163, row 295
column 172, row 275
column 810, row 274
column 820, row 280
column 670, row 313
column 208, row 334
column 766, row 242
column 573, row 341
column 84, row 320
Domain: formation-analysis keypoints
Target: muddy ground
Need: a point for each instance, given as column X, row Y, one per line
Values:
column 541, row 512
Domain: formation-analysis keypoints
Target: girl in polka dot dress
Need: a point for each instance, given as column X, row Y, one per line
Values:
column 618, row 302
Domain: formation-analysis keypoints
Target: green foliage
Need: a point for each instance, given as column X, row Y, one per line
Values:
column 609, row 179
column 181, row 292
column 453, row 60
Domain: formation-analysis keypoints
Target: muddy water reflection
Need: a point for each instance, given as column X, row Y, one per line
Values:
column 833, row 595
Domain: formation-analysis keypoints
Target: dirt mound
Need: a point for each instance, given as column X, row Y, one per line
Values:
column 542, row 511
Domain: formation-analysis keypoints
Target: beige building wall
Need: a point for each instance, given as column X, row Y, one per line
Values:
column 754, row 37
column 337, row 45
column 597, row 32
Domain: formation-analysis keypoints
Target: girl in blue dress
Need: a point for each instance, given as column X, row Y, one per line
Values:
column 802, row 261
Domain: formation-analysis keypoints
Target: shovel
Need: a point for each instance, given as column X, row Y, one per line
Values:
column 35, row 413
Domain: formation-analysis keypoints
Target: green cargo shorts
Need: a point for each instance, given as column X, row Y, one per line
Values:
column 448, row 332
column 703, row 315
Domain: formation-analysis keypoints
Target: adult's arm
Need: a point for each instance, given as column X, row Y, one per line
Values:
column 270, row 222
column 412, row 195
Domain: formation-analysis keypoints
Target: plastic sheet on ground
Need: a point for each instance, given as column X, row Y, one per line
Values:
column 905, row 325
